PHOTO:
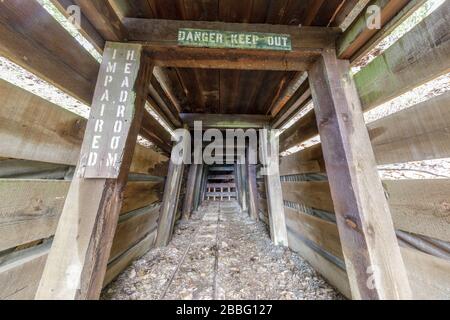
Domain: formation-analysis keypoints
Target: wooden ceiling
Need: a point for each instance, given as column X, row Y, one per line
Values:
column 231, row 91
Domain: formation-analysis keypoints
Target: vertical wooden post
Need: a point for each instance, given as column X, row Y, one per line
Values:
column 190, row 190
column 171, row 195
column 270, row 156
column 198, row 186
column 374, row 263
column 252, row 188
column 244, row 191
column 77, row 262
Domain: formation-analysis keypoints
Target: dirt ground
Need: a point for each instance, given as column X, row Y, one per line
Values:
column 220, row 254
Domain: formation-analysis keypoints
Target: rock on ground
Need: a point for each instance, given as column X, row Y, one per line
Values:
column 220, row 254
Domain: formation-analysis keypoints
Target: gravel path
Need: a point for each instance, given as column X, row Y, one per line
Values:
column 220, row 254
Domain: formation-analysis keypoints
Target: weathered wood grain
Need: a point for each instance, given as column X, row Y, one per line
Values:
column 30, row 209
column 421, row 132
column 359, row 32
column 419, row 56
column 32, row 38
column 133, row 227
column 362, row 212
column 314, row 194
column 270, row 156
column 35, row 129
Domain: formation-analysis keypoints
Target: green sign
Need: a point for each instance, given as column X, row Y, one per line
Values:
column 235, row 40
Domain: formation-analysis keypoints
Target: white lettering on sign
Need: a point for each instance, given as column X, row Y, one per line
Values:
column 230, row 39
column 111, row 114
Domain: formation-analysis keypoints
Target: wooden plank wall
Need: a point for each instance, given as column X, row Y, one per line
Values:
column 40, row 143
column 419, row 207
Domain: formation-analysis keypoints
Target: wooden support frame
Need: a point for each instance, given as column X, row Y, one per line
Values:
column 160, row 38
column 252, row 191
column 77, row 262
column 270, row 158
column 365, row 225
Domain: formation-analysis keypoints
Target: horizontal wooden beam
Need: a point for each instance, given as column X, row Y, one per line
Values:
column 417, row 206
column 419, row 56
column 36, row 129
column 305, row 128
column 226, row 121
column 428, row 275
column 160, row 37
column 23, row 221
column 359, row 32
column 20, row 274
column 413, row 134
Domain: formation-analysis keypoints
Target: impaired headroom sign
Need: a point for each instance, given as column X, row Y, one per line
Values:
column 234, row 40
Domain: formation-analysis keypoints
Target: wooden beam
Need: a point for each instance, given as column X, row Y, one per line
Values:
column 36, row 129
column 171, row 195
column 161, row 38
column 25, row 29
column 417, row 133
column 198, row 187
column 270, row 157
column 364, row 220
column 226, row 121
column 103, row 17
column 387, row 29
column 305, row 128
column 427, row 274
column 86, row 28
column 359, row 32
column 190, row 190
column 23, row 221
column 419, row 56
column 78, row 259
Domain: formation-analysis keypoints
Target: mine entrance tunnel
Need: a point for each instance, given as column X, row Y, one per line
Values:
column 96, row 162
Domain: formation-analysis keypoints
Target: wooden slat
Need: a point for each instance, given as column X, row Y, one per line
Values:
column 132, row 228
column 359, row 33
column 190, row 189
column 387, row 29
column 302, row 130
column 362, row 211
column 413, row 134
column 334, row 275
column 417, row 133
column 116, row 266
column 417, row 206
column 243, row 121
column 86, row 28
column 321, row 232
column 32, row 38
column 420, row 206
column 419, row 56
column 30, row 209
column 19, row 276
column 103, row 17
column 309, row 160
column 428, row 275
column 314, row 194
column 35, row 129
column 139, row 194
